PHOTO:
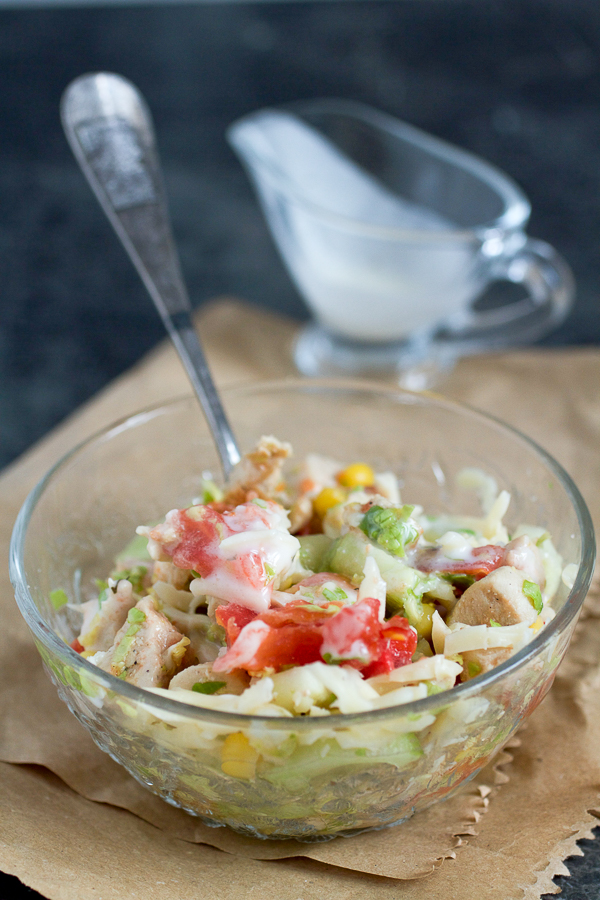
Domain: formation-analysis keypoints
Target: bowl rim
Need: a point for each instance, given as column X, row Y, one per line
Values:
column 147, row 698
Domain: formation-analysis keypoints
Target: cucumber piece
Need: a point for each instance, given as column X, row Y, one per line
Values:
column 326, row 755
column 314, row 551
column 347, row 555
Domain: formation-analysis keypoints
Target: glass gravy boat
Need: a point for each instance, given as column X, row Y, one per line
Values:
column 391, row 235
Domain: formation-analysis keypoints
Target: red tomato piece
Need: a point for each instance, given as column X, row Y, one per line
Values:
column 398, row 642
column 198, row 546
column 483, row 561
column 300, row 633
column 260, row 647
column 352, row 635
column 290, row 645
column 76, row 646
column 233, row 617
column 299, row 612
column 249, row 568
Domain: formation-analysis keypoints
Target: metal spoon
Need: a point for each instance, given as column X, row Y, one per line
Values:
column 109, row 128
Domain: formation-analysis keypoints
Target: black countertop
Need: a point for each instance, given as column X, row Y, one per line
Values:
column 516, row 81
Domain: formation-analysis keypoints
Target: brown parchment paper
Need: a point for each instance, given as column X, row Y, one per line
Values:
column 532, row 821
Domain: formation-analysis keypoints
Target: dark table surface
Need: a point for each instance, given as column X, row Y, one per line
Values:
column 516, row 81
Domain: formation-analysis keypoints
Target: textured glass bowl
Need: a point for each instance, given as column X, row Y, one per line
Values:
column 315, row 777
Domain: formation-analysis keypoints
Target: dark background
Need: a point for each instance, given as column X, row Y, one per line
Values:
column 516, row 81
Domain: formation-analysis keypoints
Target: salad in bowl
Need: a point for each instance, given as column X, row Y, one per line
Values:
column 339, row 636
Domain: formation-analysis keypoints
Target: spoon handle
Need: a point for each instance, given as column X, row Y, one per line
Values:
column 109, row 128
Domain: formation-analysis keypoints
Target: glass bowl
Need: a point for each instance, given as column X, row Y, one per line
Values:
column 315, row 777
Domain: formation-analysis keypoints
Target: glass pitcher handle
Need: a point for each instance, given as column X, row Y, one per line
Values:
column 550, row 287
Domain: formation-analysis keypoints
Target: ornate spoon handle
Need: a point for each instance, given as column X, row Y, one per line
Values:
column 109, row 128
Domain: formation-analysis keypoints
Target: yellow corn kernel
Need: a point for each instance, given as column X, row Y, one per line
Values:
column 327, row 499
column 238, row 758
column 357, row 475
column 535, row 627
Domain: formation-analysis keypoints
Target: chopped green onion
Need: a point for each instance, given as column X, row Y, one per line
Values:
column 495, row 624
column 334, row 595
column 208, row 687
column 135, row 576
column 534, row 595
column 136, row 616
column 473, row 669
column 210, row 491
column 58, row 598
column 543, row 537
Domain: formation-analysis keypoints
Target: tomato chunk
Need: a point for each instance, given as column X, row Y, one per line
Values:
column 302, row 632
column 198, row 545
column 233, row 617
column 352, row 636
column 482, row 561
column 261, row 647
column 397, row 644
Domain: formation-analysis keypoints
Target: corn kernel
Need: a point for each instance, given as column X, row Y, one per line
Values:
column 238, row 758
column 357, row 475
column 327, row 499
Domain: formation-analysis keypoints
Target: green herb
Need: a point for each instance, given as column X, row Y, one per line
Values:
column 102, row 596
column 210, row 492
column 334, row 595
column 135, row 576
column 332, row 660
column 136, row 616
column 58, row 598
column 534, row 595
column 195, row 574
column 495, row 624
column 473, row 669
column 543, row 537
column 208, row 687
column 390, row 528
column 466, row 531
column 101, row 584
column 261, row 503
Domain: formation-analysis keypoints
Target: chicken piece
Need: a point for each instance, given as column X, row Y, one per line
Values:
column 147, row 651
column 523, row 554
column 499, row 597
column 301, row 513
column 103, row 618
column 231, row 682
column 258, row 474
column 478, row 662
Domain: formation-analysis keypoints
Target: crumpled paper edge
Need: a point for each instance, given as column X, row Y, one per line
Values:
column 568, row 847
